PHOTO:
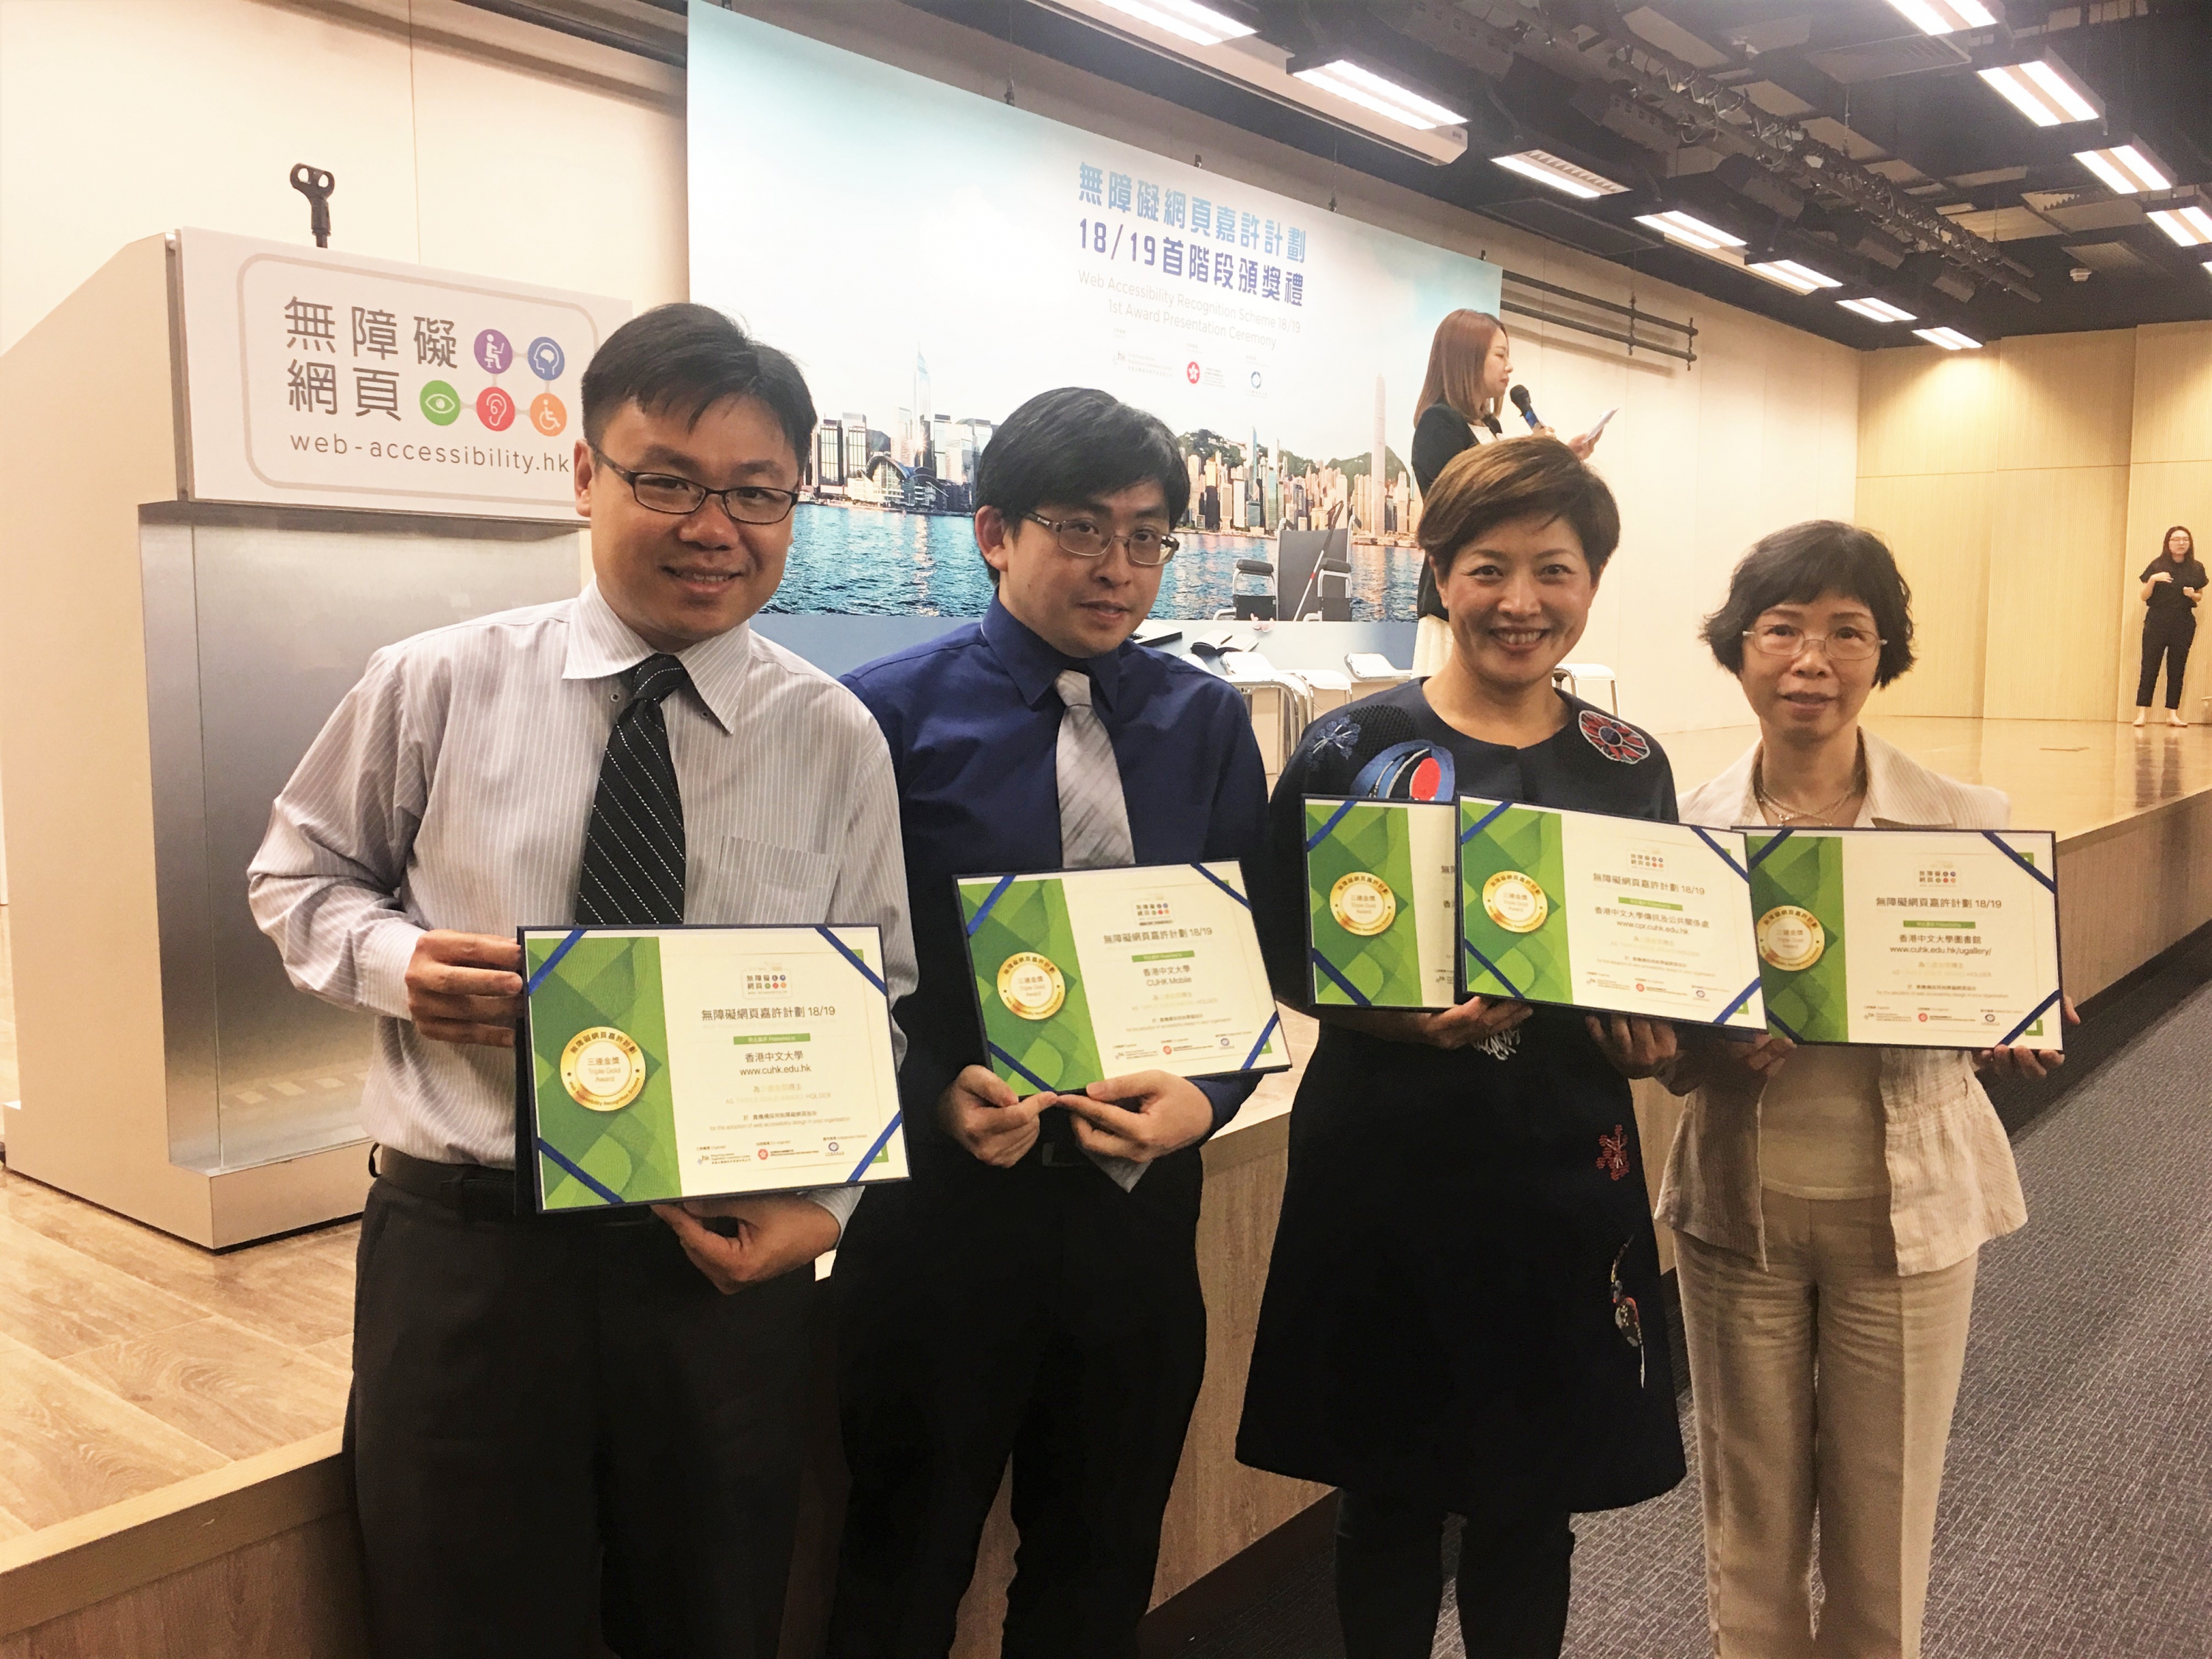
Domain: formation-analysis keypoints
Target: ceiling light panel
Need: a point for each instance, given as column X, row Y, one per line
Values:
column 1943, row 16
column 1201, row 26
column 2126, row 168
column 1380, row 96
column 1949, row 338
column 2189, row 226
column 1678, row 227
column 1802, row 279
column 2044, row 90
column 1876, row 309
column 1546, row 168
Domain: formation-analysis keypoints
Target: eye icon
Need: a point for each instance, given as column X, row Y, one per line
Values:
column 442, row 405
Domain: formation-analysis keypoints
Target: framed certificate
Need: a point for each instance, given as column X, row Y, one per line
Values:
column 1381, row 903
column 1620, row 915
column 1935, row 939
column 1084, row 975
column 660, row 1064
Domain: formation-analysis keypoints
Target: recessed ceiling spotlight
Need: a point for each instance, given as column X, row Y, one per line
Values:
column 1944, row 16
column 1949, row 338
column 1877, row 310
column 2044, row 90
column 1371, row 92
column 2126, row 168
column 1201, row 26
column 1678, row 227
column 1801, row 279
column 2189, row 226
column 1546, row 168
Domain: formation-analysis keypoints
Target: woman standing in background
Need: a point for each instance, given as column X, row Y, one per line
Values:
column 2172, row 584
column 1470, row 369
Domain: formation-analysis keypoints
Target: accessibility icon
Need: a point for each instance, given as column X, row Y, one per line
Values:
column 493, row 355
column 546, row 359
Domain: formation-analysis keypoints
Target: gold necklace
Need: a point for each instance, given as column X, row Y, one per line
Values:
column 1788, row 815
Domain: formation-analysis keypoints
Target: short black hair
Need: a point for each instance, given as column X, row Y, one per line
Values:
column 1077, row 444
column 1797, row 565
column 684, row 359
column 1490, row 484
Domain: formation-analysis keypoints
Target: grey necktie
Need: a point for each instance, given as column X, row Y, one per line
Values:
column 1094, row 823
column 1094, row 817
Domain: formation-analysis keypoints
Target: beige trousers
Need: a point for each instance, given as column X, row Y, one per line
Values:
column 1824, row 1382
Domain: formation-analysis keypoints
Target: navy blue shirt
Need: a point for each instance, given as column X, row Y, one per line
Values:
column 973, row 721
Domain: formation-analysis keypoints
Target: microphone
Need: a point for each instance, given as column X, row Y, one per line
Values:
column 1523, row 402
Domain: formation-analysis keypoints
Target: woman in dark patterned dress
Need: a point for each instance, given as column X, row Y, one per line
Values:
column 1462, row 1313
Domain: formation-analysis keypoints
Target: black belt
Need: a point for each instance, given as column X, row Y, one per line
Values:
column 476, row 1192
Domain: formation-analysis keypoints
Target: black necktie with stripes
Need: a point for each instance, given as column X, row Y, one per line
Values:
column 634, row 850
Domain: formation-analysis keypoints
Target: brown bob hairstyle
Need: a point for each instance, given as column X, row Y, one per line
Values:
column 1457, row 356
column 1492, row 484
column 1797, row 565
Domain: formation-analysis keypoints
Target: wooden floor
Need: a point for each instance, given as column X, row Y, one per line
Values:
column 129, row 1360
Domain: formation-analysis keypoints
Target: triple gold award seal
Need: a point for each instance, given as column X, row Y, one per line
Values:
column 1031, row 985
column 1363, row 903
column 602, row 1068
column 1790, row 938
column 1515, row 901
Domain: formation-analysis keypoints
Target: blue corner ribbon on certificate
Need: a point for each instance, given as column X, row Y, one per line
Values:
column 1772, row 841
column 1742, row 997
column 547, row 1148
column 1722, row 854
column 1334, row 818
column 2041, row 1007
column 538, row 979
column 1477, row 827
column 851, row 955
column 1999, row 842
column 1261, row 1046
column 976, row 922
column 1022, row 1069
column 1484, row 962
column 1223, row 886
column 1346, row 985
column 881, row 1141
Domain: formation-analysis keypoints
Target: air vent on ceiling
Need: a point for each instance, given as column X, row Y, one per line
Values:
column 1576, row 230
column 1878, row 60
column 2114, row 259
column 2077, row 210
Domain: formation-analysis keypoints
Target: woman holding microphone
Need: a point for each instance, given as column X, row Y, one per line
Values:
column 1462, row 1315
column 1828, row 1202
column 1470, row 374
column 2173, row 587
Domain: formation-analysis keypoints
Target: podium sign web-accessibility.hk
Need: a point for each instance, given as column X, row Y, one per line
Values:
column 320, row 379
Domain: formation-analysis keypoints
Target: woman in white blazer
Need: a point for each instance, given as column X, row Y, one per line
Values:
column 1828, row 1203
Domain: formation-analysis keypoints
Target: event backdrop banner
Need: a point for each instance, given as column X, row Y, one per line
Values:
column 933, row 257
column 320, row 379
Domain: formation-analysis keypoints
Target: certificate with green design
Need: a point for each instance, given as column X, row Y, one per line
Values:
column 660, row 1064
column 1084, row 975
column 1382, row 912
column 1922, row 939
column 1620, row 915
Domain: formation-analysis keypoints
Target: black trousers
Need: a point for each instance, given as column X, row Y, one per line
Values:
column 2167, row 632
column 558, row 1426
column 1039, row 1314
column 1512, row 1580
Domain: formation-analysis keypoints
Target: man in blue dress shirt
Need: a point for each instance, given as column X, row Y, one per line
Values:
column 1032, row 1293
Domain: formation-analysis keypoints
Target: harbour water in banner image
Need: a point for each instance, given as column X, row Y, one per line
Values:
column 872, row 562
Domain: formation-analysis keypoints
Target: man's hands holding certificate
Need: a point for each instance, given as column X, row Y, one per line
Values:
column 465, row 987
column 1143, row 1116
column 773, row 1234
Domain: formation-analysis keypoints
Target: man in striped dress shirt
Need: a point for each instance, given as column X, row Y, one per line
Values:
column 560, row 1425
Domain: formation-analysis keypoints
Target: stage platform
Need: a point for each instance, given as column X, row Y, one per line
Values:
column 168, row 1418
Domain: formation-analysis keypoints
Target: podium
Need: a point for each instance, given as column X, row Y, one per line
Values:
column 194, row 568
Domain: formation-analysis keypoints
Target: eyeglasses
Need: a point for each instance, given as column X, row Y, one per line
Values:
column 1850, row 643
column 663, row 492
column 1088, row 539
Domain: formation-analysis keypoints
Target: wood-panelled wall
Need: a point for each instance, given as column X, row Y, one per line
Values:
column 2023, row 488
